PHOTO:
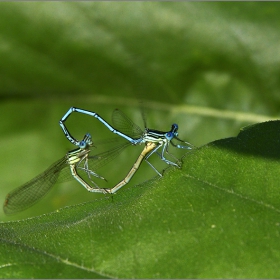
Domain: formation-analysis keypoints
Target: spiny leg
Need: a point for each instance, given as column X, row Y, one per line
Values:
column 148, row 148
column 83, row 183
column 165, row 149
column 161, row 155
column 148, row 155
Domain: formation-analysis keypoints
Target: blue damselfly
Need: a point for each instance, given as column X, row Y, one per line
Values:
column 134, row 134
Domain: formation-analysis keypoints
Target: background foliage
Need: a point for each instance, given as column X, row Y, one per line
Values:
column 213, row 68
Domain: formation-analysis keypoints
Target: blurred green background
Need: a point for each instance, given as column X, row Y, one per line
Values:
column 210, row 67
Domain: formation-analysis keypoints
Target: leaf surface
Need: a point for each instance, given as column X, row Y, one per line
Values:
column 212, row 68
column 222, row 205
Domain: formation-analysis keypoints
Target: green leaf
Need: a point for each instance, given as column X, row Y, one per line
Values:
column 217, row 217
column 212, row 68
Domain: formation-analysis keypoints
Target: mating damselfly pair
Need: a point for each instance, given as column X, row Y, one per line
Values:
column 79, row 160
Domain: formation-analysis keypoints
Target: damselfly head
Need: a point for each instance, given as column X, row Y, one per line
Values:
column 169, row 135
column 174, row 128
column 87, row 141
column 83, row 144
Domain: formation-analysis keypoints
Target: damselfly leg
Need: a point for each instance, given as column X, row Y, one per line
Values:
column 149, row 147
column 30, row 192
column 127, row 129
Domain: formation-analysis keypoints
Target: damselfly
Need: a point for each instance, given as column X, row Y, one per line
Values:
column 134, row 134
column 78, row 160
column 147, row 149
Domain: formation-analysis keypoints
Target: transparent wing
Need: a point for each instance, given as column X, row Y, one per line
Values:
column 101, row 143
column 125, row 125
column 97, row 161
column 29, row 193
column 143, row 112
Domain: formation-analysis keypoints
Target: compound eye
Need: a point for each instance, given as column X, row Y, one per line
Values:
column 174, row 128
column 82, row 144
column 169, row 135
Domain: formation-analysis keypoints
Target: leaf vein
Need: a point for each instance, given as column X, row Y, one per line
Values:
column 267, row 205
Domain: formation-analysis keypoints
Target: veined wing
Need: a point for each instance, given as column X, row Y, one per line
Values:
column 125, row 125
column 99, row 160
column 29, row 193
